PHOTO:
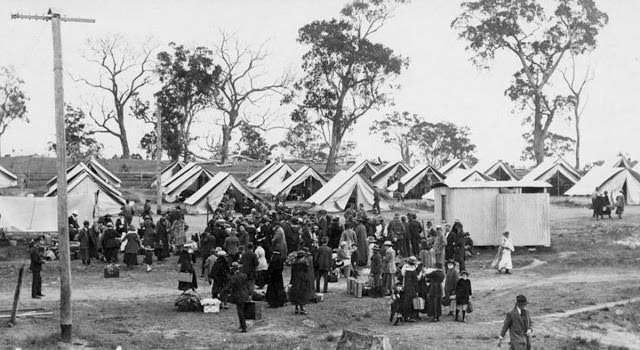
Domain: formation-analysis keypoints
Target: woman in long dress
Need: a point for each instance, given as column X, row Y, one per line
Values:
column 299, row 292
column 186, row 261
column 411, row 273
column 507, row 248
column 276, row 296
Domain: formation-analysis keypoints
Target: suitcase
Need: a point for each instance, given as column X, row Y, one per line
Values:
column 358, row 289
column 111, row 270
column 418, row 303
column 333, row 278
column 252, row 310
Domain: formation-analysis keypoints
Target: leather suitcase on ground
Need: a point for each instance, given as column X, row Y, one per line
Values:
column 111, row 270
column 252, row 310
column 358, row 289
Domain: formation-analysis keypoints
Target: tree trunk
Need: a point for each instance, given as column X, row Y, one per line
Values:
column 124, row 142
column 538, row 132
column 334, row 149
column 577, row 141
column 224, row 148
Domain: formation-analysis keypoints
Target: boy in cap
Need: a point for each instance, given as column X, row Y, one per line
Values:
column 463, row 294
column 518, row 323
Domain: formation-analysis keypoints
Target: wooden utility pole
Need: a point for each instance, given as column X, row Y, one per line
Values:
column 16, row 297
column 63, row 224
column 159, row 159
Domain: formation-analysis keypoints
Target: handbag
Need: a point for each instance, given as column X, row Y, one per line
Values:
column 445, row 301
column 185, row 277
column 418, row 303
column 469, row 307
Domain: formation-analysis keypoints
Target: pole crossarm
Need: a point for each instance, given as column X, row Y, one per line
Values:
column 51, row 15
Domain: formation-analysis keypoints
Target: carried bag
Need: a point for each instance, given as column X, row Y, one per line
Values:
column 185, row 277
column 445, row 301
column 332, row 278
column 111, row 270
column 469, row 307
column 418, row 303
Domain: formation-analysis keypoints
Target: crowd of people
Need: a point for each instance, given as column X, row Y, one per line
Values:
column 603, row 203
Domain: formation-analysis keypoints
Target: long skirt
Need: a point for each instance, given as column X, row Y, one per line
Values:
column 505, row 261
column 84, row 254
column 388, row 281
column 131, row 259
column 435, row 309
column 276, row 296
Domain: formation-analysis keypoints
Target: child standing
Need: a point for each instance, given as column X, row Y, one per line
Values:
column 463, row 294
column 450, row 284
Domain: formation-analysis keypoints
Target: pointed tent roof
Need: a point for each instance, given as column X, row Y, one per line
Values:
column 184, row 181
column 99, row 169
column 619, row 162
column 273, row 177
column 71, row 169
column 297, row 178
column 488, row 168
column 453, row 165
column 379, row 179
column 335, row 194
column 180, row 172
column 461, row 175
column 413, row 177
column 169, row 171
column 7, row 173
column 82, row 173
column 363, row 164
column 608, row 179
column 637, row 168
column 260, row 172
column 7, row 178
column 545, row 170
column 211, row 193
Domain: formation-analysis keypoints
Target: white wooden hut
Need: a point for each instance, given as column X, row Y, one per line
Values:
column 489, row 208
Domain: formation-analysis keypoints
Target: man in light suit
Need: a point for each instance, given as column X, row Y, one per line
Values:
column 518, row 323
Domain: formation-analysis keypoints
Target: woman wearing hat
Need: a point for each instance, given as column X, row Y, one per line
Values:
column 450, row 283
column 109, row 244
column 299, row 292
column 411, row 273
column 276, row 296
column 435, row 278
column 376, row 272
column 131, row 248
column 505, row 259
column 220, row 273
column 186, row 261
column 463, row 294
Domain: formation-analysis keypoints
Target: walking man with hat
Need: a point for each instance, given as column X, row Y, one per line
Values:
column 518, row 323
column 238, row 291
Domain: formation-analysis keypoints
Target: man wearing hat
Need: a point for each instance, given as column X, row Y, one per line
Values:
column 279, row 241
column 238, row 292
column 388, row 268
column 518, row 323
column 74, row 226
column 396, row 231
column 36, row 268
column 415, row 233
column 109, row 243
column 376, row 272
column 323, row 260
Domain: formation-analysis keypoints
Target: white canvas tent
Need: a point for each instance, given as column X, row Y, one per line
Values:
column 306, row 181
column 637, row 168
column 611, row 180
column 105, row 174
column 381, row 178
column 364, row 168
column 211, row 193
column 453, row 165
column 557, row 172
column 168, row 172
column 108, row 199
column 7, row 178
column 488, row 208
column 498, row 170
column 187, row 183
column 345, row 186
column 40, row 214
column 179, row 174
column 261, row 172
column 271, row 179
column 418, row 181
column 71, row 172
column 618, row 162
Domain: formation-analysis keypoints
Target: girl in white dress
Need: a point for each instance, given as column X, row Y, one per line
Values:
column 507, row 249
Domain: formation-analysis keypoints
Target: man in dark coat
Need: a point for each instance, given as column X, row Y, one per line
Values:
column 376, row 273
column 415, row 234
column 395, row 230
column 323, row 262
column 249, row 262
column 36, row 268
column 518, row 323
column 84, row 237
column 207, row 246
column 109, row 244
column 435, row 291
column 292, row 237
column 162, row 237
column 238, row 290
column 334, row 232
column 323, row 225
column 362, row 243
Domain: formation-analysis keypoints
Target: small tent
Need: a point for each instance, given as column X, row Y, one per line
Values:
column 260, row 172
column 209, row 196
column 344, row 188
column 611, row 180
column 7, row 178
column 364, row 168
column 557, row 172
column 452, row 165
column 460, row 175
column 178, row 174
column 84, row 181
column 383, row 178
column 301, row 185
column 168, row 172
column 105, row 174
column 71, row 171
column 418, row 181
column 271, row 179
column 186, row 184
column 499, row 170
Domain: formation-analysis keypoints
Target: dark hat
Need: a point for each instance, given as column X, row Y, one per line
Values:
column 376, row 247
column 451, row 261
column 464, row 272
column 521, row 299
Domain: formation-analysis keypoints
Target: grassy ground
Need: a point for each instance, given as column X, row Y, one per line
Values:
column 136, row 310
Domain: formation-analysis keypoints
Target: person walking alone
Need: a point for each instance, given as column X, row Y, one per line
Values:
column 518, row 323
column 36, row 268
column 238, row 291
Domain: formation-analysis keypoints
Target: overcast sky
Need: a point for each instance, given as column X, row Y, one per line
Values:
column 440, row 83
